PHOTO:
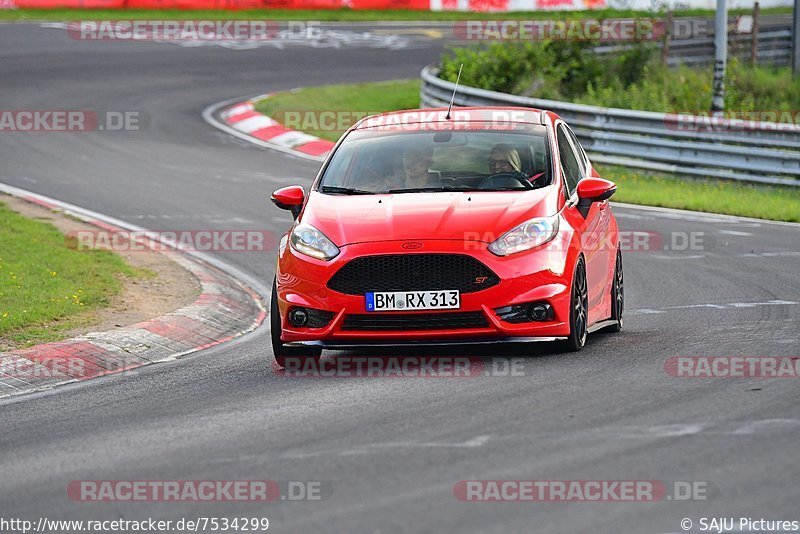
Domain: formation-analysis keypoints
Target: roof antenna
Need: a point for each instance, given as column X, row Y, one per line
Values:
column 450, row 107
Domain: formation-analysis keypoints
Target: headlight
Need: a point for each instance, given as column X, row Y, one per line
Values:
column 310, row 241
column 526, row 236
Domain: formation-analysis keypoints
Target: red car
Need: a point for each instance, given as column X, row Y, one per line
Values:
column 479, row 225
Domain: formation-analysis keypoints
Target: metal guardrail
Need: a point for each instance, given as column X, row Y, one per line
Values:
column 773, row 45
column 680, row 144
column 774, row 48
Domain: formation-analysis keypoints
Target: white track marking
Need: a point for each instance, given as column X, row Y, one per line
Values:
column 768, row 425
column 660, row 431
column 786, row 253
column 692, row 257
column 715, row 306
column 734, row 232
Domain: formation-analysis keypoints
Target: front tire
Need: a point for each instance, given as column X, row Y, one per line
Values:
column 617, row 297
column 578, row 309
column 282, row 352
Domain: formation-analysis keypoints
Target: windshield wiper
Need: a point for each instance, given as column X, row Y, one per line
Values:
column 427, row 189
column 345, row 190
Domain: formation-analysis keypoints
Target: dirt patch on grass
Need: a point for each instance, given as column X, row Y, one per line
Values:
column 163, row 287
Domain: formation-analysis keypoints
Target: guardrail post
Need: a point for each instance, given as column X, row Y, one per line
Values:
column 754, row 37
column 721, row 55
column 795, row 39
column 667, row 35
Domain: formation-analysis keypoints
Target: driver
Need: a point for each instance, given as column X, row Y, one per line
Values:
column 504, row 158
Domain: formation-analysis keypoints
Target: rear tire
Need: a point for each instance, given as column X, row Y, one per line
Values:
column 578, row 310
column 282, row 352
column 617, row 297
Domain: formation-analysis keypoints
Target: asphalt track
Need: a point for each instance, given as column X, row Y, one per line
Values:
column 387, row 451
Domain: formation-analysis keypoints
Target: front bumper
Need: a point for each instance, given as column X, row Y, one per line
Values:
column 539, row 275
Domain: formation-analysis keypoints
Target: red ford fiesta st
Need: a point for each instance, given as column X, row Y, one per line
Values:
column 479, row 225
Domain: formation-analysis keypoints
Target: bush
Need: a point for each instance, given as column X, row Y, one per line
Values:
column 631, row 77
column 547, row 69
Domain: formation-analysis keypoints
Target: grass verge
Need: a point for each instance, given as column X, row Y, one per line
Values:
column 714, row 196
column 342, row 15
column 47, row 286
column 306, row 109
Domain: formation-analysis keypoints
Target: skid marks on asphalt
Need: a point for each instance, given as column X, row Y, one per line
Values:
column 733, row 428
column 713, row 306
column 369, row 448
column 647, row 432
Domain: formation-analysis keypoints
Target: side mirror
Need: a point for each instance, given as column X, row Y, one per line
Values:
column 592, row 190
column 289, row 198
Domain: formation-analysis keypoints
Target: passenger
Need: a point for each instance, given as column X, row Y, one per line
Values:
column 416, row 168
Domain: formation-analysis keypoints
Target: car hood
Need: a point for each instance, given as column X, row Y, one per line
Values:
column 472, row 216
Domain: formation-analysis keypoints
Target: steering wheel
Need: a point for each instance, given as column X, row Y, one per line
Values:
column 506, row 180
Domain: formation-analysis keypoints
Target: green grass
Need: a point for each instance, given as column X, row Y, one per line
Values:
column 748, row 90
column 715, row 196
column 339, row 14
column 361, row 98
column 48, row 287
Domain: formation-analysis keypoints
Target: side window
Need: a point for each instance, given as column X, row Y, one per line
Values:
column 569, row 161
column 577, row 145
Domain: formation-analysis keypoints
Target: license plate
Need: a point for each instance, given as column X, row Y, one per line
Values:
column 446, row 299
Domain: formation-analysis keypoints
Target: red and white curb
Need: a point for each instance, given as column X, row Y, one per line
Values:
column 226, row 308
column 240, row 118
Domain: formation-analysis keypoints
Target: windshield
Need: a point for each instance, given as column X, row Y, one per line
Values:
column 374, row 162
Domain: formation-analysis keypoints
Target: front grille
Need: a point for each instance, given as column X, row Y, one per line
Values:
column 413, row 272
column 414, row 321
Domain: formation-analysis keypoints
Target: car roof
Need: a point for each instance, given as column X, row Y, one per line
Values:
column 458, row 115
